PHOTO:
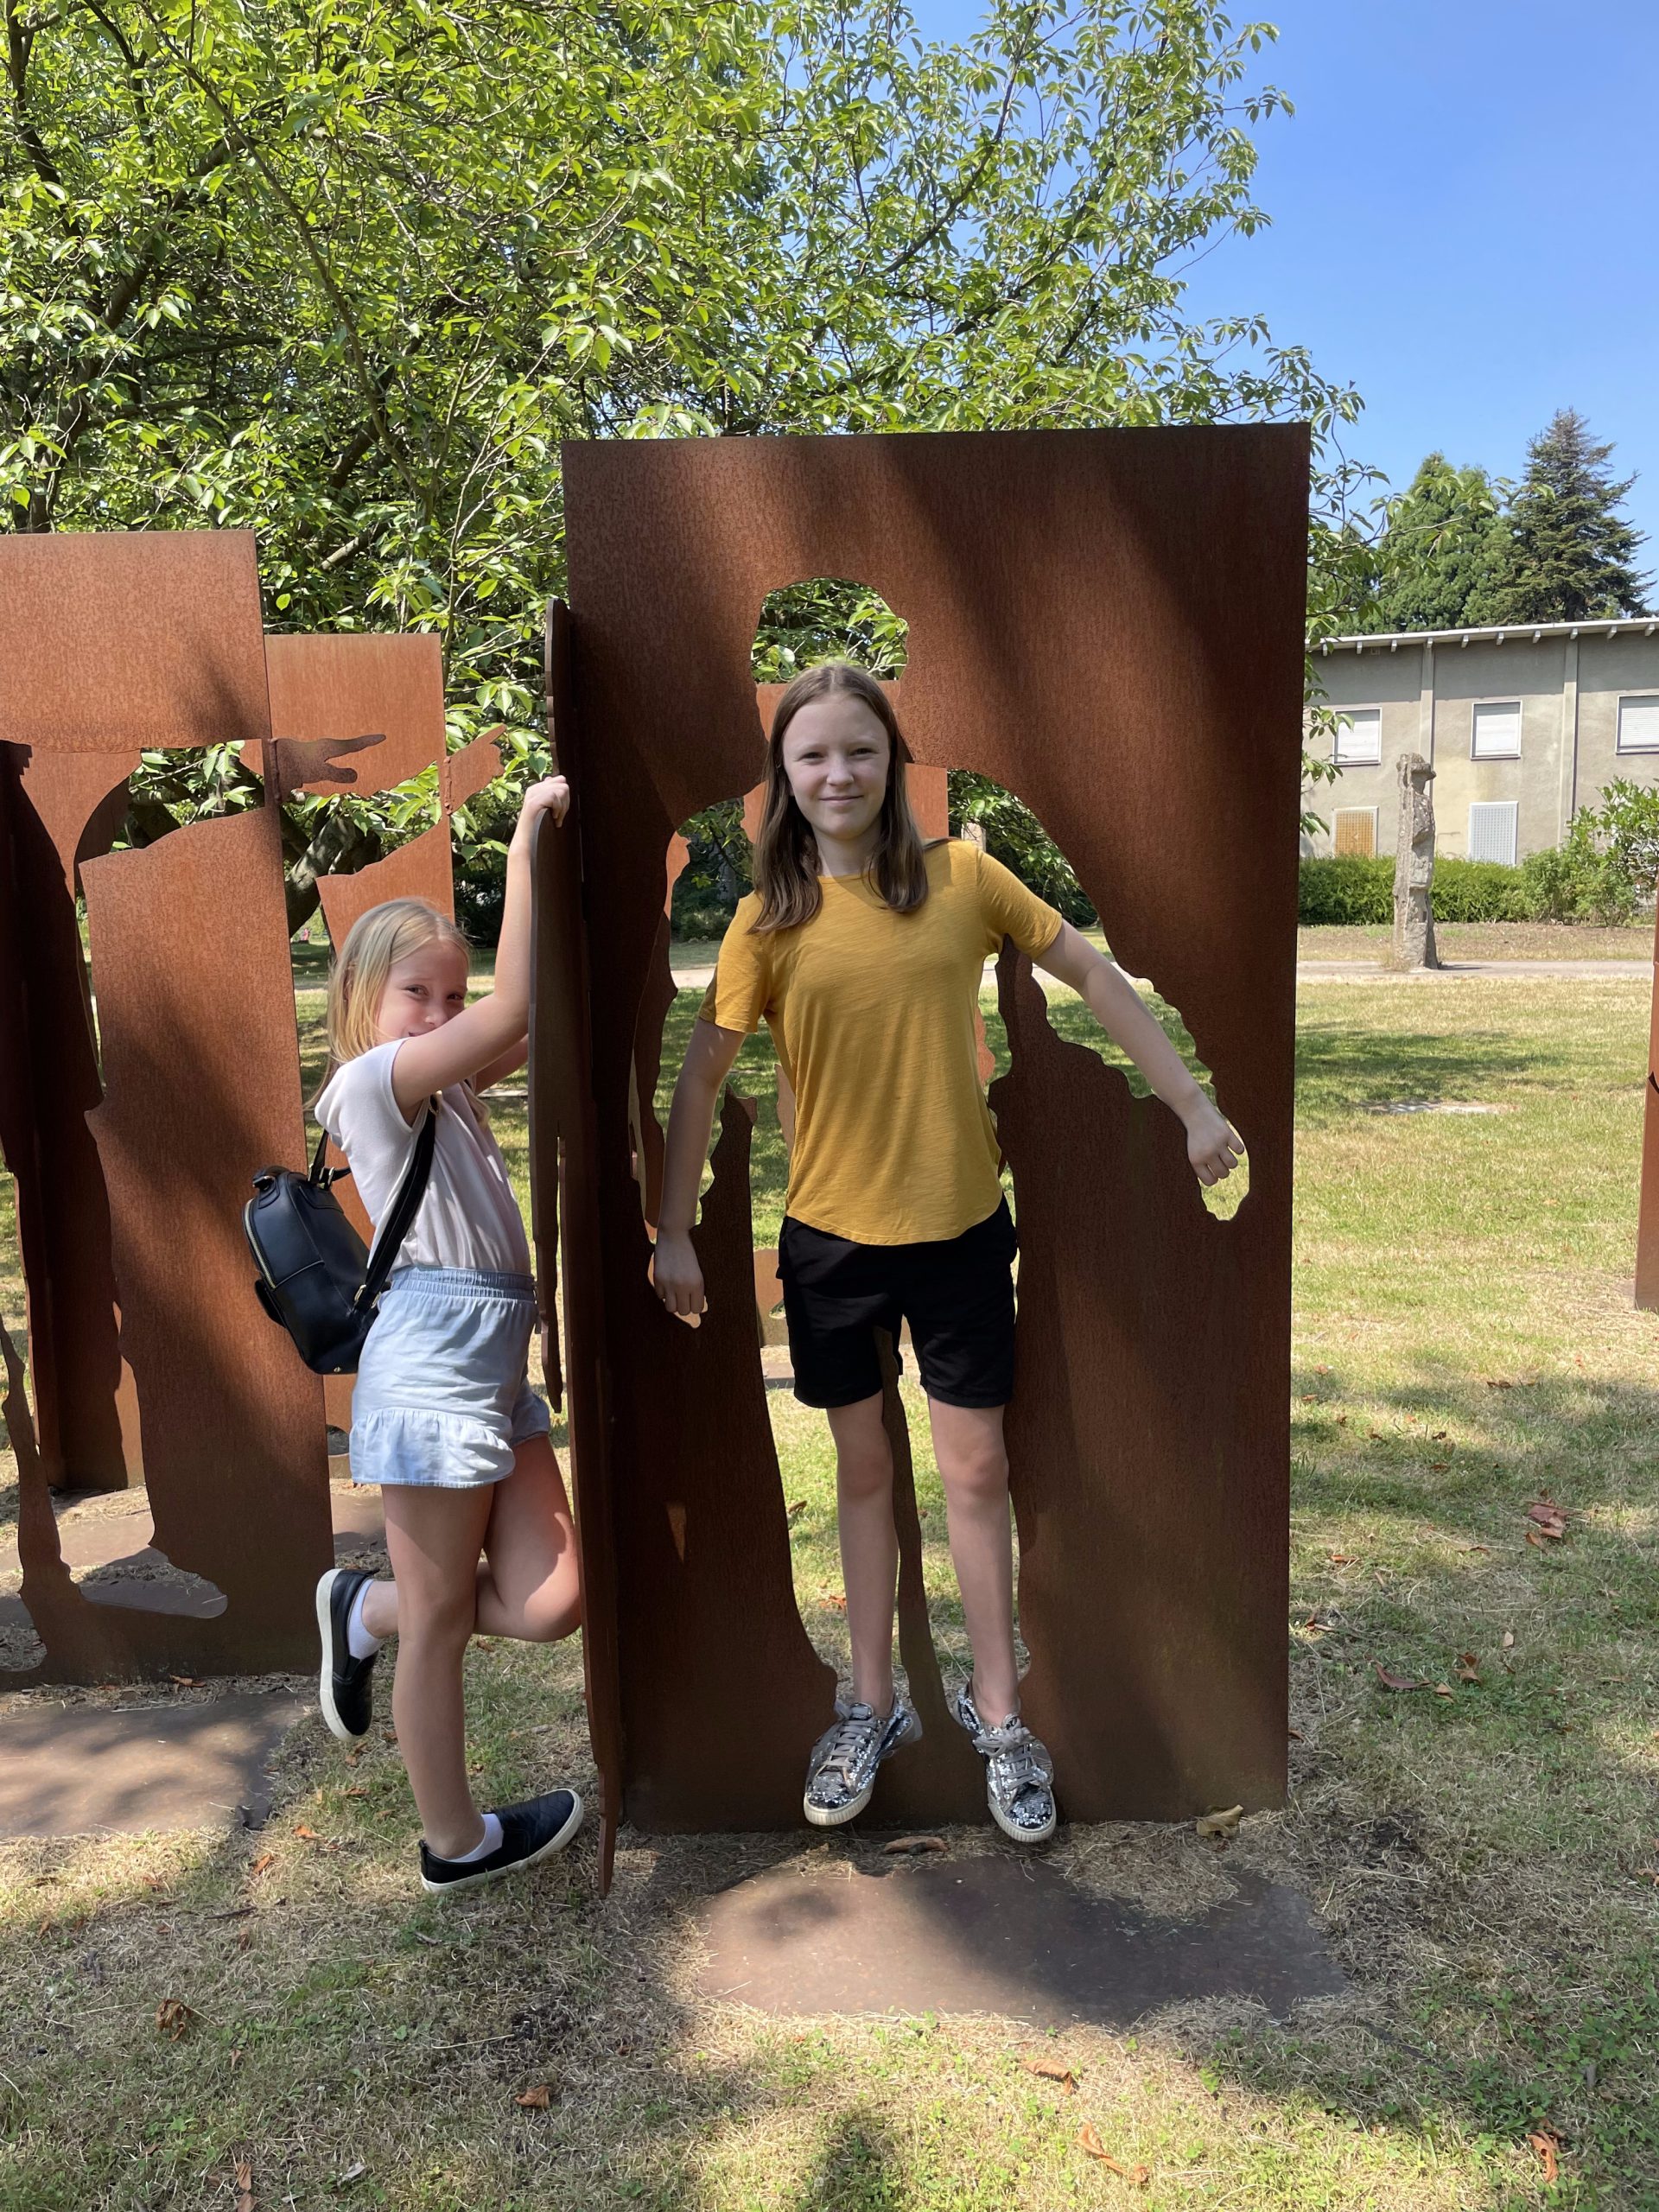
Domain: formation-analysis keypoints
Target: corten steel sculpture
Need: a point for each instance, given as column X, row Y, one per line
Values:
column 389, row 688
column 131, row 1163
column 1109, row 624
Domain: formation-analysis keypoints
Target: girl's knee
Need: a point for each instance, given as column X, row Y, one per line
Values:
column 549, row 1615
column 978, row 1477
column 864, row 1472
column 438, row 1619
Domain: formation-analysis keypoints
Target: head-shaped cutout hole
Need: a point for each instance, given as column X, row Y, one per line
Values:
column 827, row 618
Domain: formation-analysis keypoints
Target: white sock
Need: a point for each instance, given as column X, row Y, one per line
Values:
column 491, row 1842
column 359, row 1642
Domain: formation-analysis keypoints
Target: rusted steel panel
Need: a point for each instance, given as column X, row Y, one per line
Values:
column 109, row 643
column 58, row 807
column 201, row 1075
column 1109, row 624
column 326, row 685
column 565, row 1224
column 122, row 641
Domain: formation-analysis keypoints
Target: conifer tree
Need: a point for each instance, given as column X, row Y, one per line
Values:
column 1569, row 555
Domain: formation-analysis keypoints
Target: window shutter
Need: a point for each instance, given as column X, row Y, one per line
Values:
column 1638, row 725
column 1497, row 731
column 1492, row 825
column 1353, row 829
column 1359, row 737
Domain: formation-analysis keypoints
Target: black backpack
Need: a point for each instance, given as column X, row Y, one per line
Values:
column 316, row 1279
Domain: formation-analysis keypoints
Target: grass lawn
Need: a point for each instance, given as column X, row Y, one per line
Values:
column 1483, row 1857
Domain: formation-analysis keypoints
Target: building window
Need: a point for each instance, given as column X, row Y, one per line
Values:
column 1359, row 738
column 1353, row 829
column 1492, row 830
column 1497, row 730
column 1638, row 724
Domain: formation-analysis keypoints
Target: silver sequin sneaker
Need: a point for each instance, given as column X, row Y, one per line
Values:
column 1019, row 1773
column 841, row 1773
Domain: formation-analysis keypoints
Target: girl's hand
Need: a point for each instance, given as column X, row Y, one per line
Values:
column 550, row 795
column 676, row 1276
column 1213, row 1146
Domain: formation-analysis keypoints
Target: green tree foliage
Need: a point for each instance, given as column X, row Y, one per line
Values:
column 347, row 271
column 1440, row 550
column 1568, row 555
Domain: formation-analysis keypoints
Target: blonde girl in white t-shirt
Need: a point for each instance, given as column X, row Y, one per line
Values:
column 479, row 1531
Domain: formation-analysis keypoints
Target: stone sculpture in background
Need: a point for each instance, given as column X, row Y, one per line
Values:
column 1413, row 867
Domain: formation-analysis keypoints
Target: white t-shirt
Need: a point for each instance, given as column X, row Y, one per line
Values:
column 469, row 1216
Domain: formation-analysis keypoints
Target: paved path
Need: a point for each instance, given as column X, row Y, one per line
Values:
column 152, row 1761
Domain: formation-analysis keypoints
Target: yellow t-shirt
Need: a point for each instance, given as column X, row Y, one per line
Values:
column 872, row 1013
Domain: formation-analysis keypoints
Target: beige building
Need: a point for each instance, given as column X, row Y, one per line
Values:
column 1523, row 726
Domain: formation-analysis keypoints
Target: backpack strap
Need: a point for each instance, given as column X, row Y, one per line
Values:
column 400, row 1214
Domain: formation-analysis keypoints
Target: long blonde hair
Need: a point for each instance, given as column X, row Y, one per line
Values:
column 786, row 853
column 374, row 944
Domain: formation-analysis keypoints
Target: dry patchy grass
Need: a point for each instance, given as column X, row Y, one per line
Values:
column 1482, row 1860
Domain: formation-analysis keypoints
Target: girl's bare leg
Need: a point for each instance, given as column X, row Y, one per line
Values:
column 530, row 1586
column 973, row 1463
column 434, row 1538
column 869, row 1546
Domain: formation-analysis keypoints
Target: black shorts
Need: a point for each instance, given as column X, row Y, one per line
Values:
column 957, row 1296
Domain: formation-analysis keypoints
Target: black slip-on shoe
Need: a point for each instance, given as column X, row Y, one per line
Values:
column 529, row 1833
column 344, row 1688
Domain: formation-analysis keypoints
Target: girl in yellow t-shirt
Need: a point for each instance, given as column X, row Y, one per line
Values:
column 863, row 952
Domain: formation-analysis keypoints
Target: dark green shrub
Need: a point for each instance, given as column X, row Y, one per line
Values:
column 1478, row 891
column 1346, row 889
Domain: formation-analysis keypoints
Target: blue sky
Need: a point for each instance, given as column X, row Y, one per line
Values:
column 1465, row 221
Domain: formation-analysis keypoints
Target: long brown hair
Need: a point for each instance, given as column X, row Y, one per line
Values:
column 786, row 853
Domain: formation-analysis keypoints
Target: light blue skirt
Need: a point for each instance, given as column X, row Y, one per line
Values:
column 442, row 1393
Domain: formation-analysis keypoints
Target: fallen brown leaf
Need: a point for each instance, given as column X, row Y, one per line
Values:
column 1550, row 1518
column 1444, row 1689
column 266, row 1859
column 1509, row 1639
column 1439, row 1466
column 535, row 2099
column 1546, row 2146
column 359, row 1791
column 245, row 2199
column 799, row 1506
column 1088, row 2136
column 1053, row 2069
column 914, row 1845
column 1396, row 1682
column 1498, row 1382
column 836, row 1600
column 173, row 2019
column 1439, row 1436
column 306, row 1834
column 1217, row 1827
column 1297, row 1737
column 1468, row 1667
column 189, row 1682
column 1340, row 1558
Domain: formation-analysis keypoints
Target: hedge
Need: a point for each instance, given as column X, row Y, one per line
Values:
column 1353, row 889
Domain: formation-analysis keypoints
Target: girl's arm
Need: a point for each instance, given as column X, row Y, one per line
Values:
column 1212, row 1145
column 491, row 1026
column 674, row 1269
column 509, row 1063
